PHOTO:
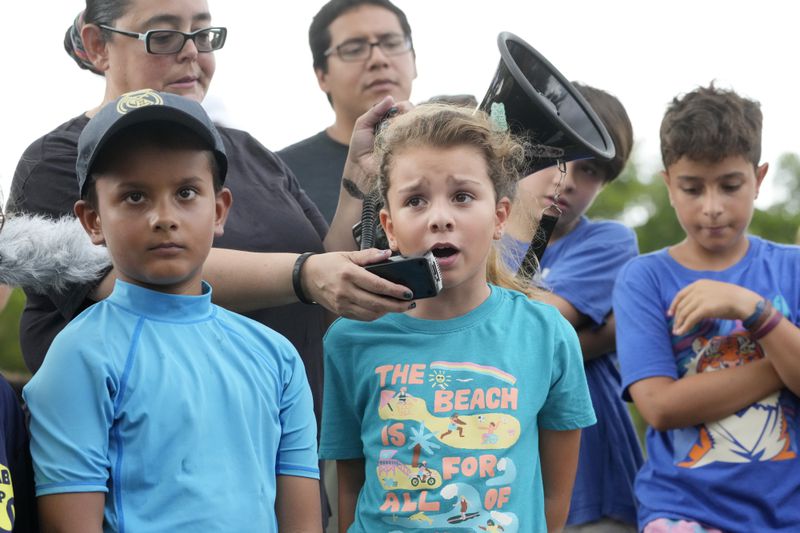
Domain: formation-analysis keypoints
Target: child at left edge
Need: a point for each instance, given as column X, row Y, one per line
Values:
column 156, row 410
column 480, row 384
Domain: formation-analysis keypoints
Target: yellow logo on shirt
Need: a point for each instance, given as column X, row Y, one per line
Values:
column 6, row 500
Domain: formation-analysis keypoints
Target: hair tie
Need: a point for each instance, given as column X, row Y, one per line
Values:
column 73, row 44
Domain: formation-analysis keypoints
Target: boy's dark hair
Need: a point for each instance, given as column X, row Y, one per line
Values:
column 710, row 124
column 615, row 118
column 319, row 34
column 154, row 134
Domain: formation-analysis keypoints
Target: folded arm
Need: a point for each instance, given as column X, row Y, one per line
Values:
column 666, row 403
column 594, row 341
column 715, row 299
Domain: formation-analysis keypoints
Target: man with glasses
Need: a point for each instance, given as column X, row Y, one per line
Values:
column 362, row 52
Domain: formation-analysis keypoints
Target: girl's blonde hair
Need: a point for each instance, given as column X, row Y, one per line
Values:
column 447, row 126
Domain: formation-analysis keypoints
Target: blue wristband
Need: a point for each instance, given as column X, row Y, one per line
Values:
column 749, row 321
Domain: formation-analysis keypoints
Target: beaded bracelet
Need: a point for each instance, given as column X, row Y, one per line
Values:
column 774, row 320
column 296, row 284
column 749, row 321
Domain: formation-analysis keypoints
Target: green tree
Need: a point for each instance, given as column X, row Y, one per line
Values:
column 10, row 352
column 644, row 205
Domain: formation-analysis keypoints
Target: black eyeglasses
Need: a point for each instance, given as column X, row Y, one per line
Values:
column 173, row 41
column 391, row 44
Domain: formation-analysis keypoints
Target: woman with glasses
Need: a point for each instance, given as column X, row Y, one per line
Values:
column 169, row 46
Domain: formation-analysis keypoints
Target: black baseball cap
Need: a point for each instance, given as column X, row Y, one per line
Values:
column 139, row 107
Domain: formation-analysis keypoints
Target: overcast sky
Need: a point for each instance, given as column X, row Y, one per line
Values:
column 643, row 52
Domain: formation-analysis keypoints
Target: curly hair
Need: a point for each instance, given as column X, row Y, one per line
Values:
column 710, row 124
column 444, row 126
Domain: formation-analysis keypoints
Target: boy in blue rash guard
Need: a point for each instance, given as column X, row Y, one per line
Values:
column 156, row 410
column 579, row 267
column 708, row 339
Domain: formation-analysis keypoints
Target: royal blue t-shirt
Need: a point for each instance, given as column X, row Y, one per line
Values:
column 181, row 411
column 740, row 473
column 446, row 413
column 582, row 267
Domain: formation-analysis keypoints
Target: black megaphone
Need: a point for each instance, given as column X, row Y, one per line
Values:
column 533, row 100
column 537, row 102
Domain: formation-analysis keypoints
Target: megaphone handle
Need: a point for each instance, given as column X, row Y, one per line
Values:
column 544, row 230
column 369, row 214
column 538, row 244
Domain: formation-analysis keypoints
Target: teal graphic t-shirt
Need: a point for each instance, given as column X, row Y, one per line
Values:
column 446, row 413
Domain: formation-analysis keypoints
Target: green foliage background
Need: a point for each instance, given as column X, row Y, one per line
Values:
column 632, row 197
column 10, row 353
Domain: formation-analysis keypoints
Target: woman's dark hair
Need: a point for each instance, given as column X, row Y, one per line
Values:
column 96, row 12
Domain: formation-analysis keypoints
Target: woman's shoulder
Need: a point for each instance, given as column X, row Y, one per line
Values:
column 44, row 181
column 61, row 139
column 247, row 152
column 235, row 139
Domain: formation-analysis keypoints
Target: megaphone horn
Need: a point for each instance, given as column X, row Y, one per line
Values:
column 534, row 100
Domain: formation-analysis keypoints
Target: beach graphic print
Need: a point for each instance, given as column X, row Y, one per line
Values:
column 442, row 464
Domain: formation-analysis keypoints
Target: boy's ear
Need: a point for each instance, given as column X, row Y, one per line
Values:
column 95, row 46
column 501, row 214
column 321, row 79
column 388, row 228
column 667, row 181
column 761, row 173
column 223, row 202
column 90, row 220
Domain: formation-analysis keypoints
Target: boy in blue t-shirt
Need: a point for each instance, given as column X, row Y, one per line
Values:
column 156, row 410
column 579, row 267
column 707, row 336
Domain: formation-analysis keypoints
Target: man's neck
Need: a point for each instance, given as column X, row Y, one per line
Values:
column 341, row 130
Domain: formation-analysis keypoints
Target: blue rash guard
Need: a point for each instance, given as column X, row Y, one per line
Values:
column 183, row 412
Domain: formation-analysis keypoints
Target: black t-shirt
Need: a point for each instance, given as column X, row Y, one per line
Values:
column 318, row 163
column 270, row 213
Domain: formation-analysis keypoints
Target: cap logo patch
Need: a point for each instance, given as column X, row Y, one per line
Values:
column 136, row 99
